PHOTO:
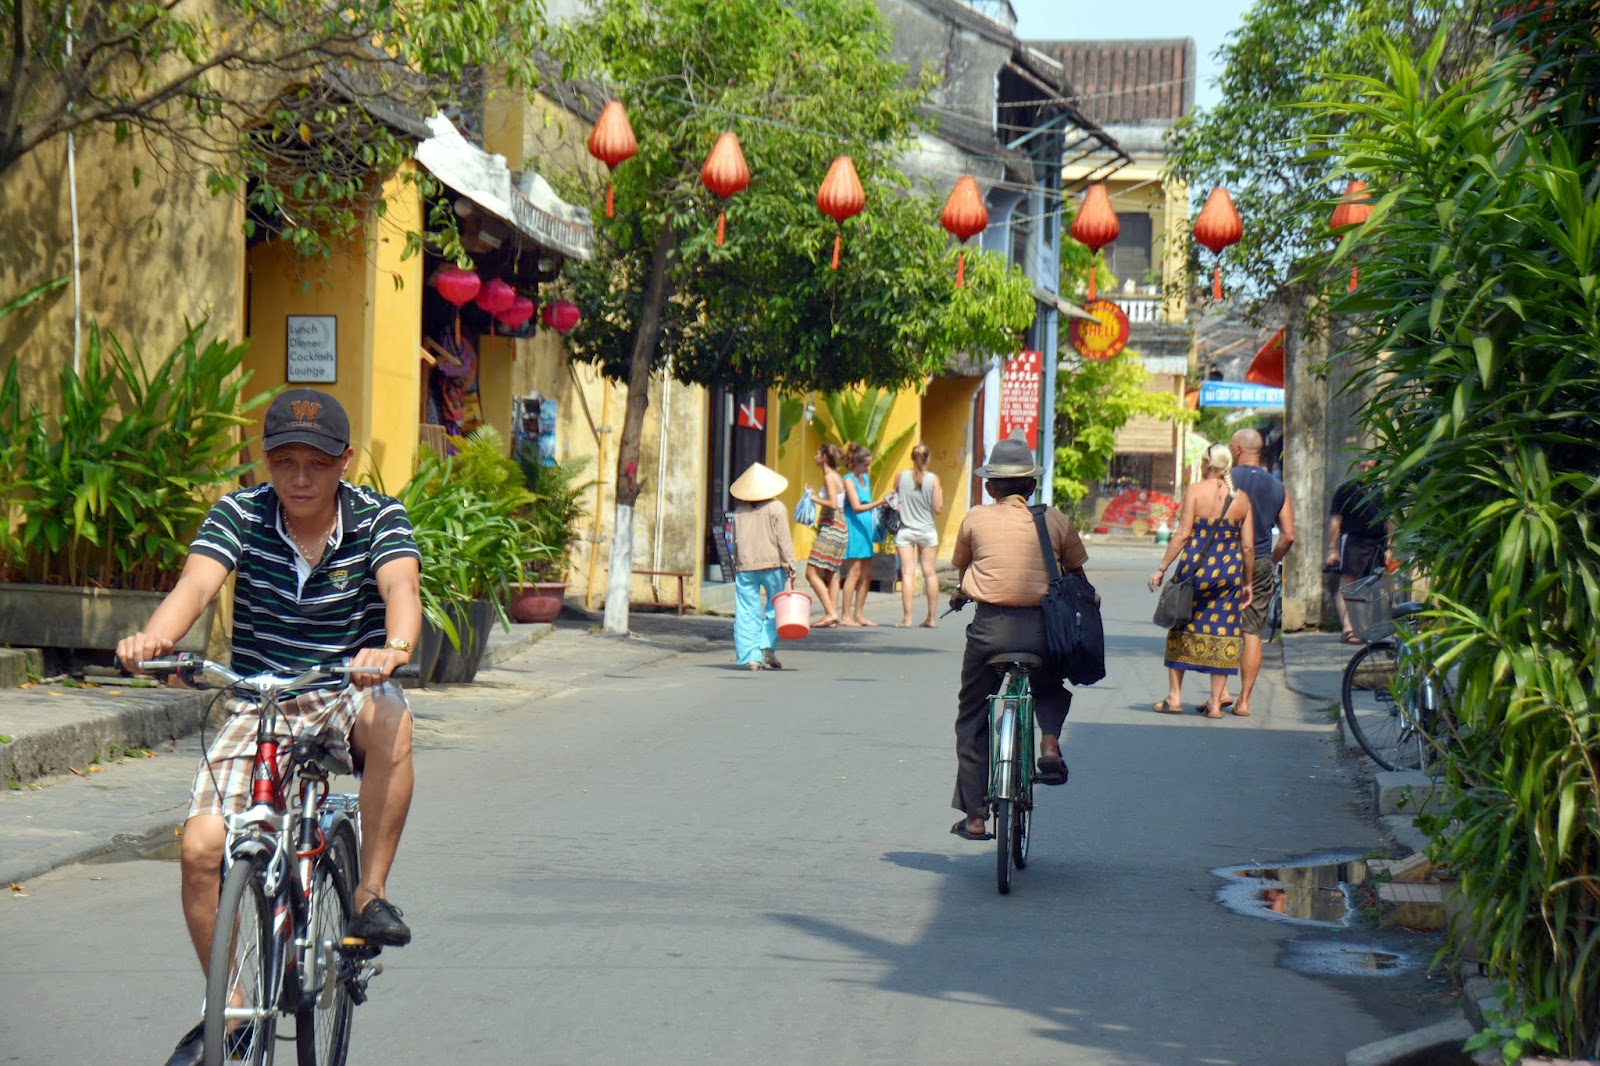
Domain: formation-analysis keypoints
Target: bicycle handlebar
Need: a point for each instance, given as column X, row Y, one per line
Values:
column 269, row 683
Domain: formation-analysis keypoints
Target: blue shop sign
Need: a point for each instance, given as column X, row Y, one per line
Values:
column 1239, row 394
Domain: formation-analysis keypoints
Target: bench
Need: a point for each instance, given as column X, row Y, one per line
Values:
column 679, row 603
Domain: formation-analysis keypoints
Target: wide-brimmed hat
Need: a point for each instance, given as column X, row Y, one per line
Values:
column 759, row 482
column 1010, row 458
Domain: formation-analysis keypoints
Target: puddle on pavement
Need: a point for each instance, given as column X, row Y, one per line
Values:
column 163, row 848
column 1328, row 958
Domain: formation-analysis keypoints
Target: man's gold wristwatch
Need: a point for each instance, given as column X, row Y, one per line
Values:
column 399, row 644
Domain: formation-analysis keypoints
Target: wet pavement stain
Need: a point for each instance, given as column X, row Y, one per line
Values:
column 1313, row 891
column 1328, row 958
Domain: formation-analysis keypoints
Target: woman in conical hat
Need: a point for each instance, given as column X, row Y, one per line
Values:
column 763, row 562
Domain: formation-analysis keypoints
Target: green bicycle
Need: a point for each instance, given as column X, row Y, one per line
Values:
column 1010, row 795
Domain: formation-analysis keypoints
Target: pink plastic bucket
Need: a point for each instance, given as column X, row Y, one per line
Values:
column 794, row 614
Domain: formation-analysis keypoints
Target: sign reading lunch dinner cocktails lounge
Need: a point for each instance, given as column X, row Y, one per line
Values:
column 311, row 349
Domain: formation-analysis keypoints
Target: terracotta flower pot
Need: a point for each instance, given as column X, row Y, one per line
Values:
column 539, row 602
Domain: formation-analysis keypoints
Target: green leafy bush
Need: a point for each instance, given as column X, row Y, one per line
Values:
column 1480, row 360
column 554, row 515
column 109, row 490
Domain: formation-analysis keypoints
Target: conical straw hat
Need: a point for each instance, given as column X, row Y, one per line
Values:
column 758, row 483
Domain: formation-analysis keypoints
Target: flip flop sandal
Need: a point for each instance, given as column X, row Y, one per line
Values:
column 1052, row 770
column 1165, row 707
column 960, row 830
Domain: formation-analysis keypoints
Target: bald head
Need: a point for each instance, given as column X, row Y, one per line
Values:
column 1246, row 447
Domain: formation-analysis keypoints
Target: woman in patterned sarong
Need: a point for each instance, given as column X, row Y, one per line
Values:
column 827, row 551
column 1209, row 543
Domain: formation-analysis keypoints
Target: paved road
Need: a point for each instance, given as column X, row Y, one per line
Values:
column 681, row 862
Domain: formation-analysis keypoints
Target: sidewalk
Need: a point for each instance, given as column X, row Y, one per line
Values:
column 94, row 769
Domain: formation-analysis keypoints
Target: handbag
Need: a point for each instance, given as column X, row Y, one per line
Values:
column 1175, row 605
column 805, row 512
column 1075, row 636
column 888, row 521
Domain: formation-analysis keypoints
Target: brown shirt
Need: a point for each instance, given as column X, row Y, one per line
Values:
column 997, row 551
column 761, row 539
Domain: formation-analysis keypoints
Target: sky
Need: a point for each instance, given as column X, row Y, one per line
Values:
column 1207, row 21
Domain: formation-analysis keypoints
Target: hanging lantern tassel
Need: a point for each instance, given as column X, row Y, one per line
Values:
column 840, row 197
column 613, row 143
column 725, row 173
column 1354, row 209
column 1095, row 225
column 1217, row 227
column 964, row 216
column 457, row 286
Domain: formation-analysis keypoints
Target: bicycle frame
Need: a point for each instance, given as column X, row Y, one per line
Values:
column 1011, row 737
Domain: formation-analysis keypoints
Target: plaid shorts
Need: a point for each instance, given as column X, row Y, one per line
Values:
column 222, row 783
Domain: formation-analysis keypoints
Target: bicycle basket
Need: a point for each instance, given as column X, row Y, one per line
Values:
column 1370, row 604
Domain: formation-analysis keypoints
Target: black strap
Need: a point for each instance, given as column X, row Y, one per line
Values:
column 1052, row 570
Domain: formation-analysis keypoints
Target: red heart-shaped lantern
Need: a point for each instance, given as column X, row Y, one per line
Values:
column 561, row 316
column 457, row 286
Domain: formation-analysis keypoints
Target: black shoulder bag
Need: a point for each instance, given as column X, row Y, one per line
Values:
column 1074, row 634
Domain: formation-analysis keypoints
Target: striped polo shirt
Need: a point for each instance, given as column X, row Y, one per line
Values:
column 281, row 623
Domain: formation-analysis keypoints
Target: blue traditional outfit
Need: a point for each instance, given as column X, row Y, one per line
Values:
column 1211, row 641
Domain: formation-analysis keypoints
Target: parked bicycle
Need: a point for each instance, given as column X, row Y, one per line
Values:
column 291, row 866
column 1011, row 746
column 1396, row 704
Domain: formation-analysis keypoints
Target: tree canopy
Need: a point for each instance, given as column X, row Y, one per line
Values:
column 799, row 84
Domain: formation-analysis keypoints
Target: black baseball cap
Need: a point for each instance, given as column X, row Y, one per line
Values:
column 306, row 416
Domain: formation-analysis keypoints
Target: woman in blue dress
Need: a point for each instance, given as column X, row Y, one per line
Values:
column 860, row 516
column 1212, row 549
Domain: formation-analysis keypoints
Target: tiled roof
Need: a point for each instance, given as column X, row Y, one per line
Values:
column 1128, row 81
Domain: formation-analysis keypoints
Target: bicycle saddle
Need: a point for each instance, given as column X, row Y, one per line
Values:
column 1023, row 660
column 326, row 751
column 1408, row 608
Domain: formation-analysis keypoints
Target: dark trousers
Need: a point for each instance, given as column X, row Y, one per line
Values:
column 994, row 630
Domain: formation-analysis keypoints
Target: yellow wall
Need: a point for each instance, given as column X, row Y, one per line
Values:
column 947, row 431
column 152, row 255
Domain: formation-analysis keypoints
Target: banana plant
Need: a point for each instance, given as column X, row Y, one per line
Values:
column 863, row 417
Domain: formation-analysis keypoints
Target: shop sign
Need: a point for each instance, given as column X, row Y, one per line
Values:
column 1019, row 396
column 312, row 355
column 1239, row 394
column 1105, row 336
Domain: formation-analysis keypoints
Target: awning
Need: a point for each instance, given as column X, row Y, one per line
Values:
column 1267, row 367
column 528, row 204
column 1050, row 299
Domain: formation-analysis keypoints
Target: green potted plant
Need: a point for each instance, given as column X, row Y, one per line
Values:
column 100, row 497
column 466, row 520
column 553, row 519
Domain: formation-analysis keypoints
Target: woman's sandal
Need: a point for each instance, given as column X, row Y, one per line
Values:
column 1166, row 707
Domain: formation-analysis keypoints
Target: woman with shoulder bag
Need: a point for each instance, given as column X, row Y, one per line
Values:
column 1210, row 552
column 920, row 499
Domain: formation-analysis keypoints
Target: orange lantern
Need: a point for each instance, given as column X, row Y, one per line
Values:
column 1354, row 209
column 725, row 173
column 841, row 197
column 1217, row 227
column 964, row 216
column 612, row 142
column 1096, row 225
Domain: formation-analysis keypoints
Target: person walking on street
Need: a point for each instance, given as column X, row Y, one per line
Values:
column 1358, row 539
column 920, row 499
column 326, row 570
column 833, row 537
column 1003, row 571
column 1269, row 505
column 1211, row 543
column 763, row 564
column 859, row 508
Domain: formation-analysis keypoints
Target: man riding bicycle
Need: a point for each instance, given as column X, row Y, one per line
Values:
column 325, row 571
column 1003, row 570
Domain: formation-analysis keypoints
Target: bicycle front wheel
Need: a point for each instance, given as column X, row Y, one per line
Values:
column 1021, row 828
column 1002, row 845
column 241, row 1012
column 1374, row 703
column 322, row 1025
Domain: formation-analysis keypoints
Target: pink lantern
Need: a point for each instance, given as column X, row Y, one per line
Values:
column 515, row 316
column 495, row 297
column 561, row 316
column 457, row 286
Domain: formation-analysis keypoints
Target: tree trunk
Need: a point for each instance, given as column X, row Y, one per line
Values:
column 657, row 290
column 1305, row 461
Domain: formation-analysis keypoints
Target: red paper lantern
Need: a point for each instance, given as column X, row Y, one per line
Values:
column 561, row 316
column 457, row 286
column 516, row 313
column 612, row 142
column 1096, row 225
column 841, row 197
column 496, row 296
column 725, row 173
column 964, row 216
column 1354, row 209
column 1217, row 227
